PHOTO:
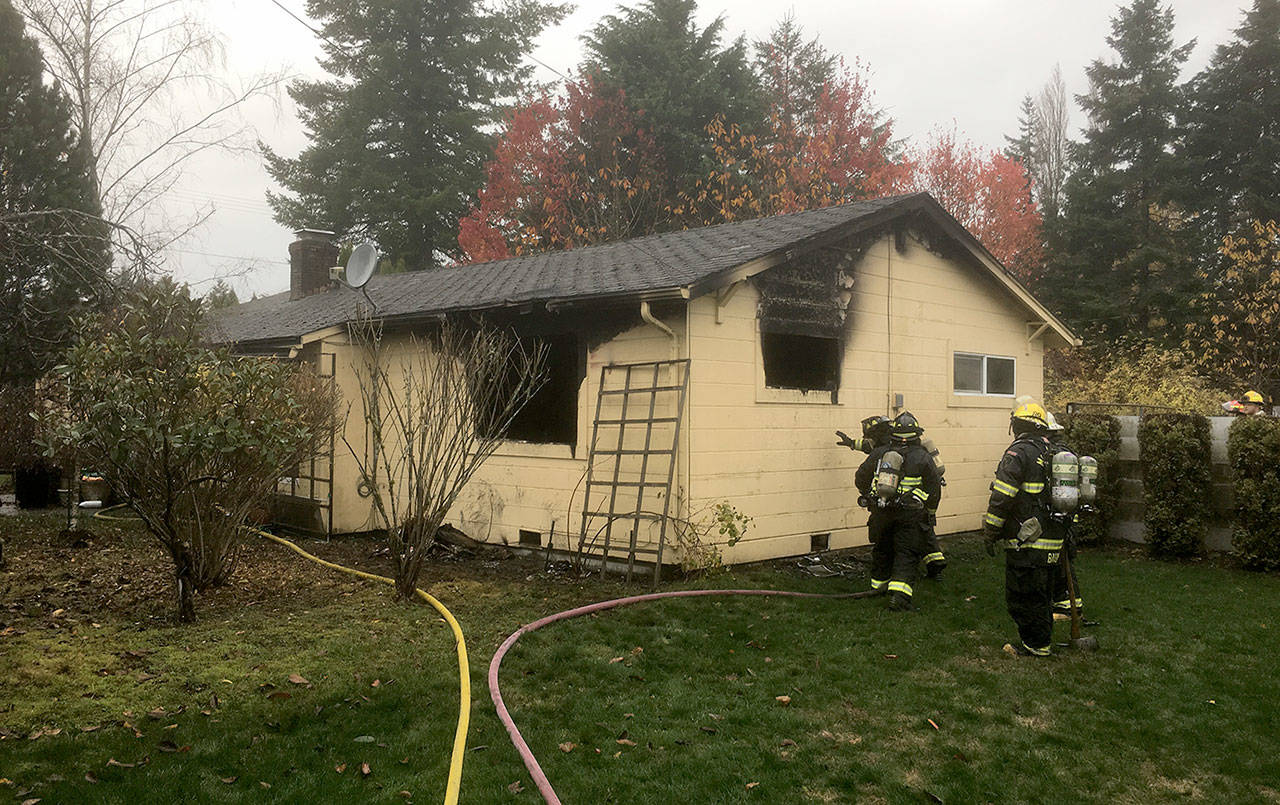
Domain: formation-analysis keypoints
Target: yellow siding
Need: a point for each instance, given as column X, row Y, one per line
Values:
column 777, row 461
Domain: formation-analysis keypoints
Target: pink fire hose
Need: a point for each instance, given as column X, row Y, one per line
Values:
column 526, row 755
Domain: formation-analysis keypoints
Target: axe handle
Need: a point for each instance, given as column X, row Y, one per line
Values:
column 1071, row 591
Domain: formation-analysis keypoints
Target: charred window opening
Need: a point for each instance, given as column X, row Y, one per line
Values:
column 805, row 362
column 551, row 417
column 531, row 539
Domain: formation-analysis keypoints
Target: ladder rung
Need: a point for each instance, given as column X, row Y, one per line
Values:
column 650, row 452
column 627, row 516
column 641, row 390
column 621, row 550
column 655, row 420
column 627, row 483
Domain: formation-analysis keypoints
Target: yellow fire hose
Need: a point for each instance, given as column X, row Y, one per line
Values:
column 464, row 672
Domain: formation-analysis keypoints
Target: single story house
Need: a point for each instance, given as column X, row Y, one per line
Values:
column 745, row 345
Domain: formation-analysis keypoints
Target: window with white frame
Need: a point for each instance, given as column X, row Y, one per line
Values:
column 974, row 373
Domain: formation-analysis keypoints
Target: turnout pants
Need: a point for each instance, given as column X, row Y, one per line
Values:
column 1029, row 599
column 899, row 540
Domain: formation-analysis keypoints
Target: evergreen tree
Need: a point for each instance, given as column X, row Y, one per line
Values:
column 53, row 255
column 793, row 72
column 1023, row 147
column 680, row 77
column 399, row 135
column 220, row 296
column 1124, row 270
column 1232, row 132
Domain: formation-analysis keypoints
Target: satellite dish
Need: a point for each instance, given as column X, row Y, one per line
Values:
column 361, row 264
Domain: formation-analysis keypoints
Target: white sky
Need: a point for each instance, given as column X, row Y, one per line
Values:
column 933, row 63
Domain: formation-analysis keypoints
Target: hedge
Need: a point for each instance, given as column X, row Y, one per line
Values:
column 1253, row 448
column 1177, row 479
column 1097, row 435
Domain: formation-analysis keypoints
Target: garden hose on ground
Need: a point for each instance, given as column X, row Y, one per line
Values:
column 464, row 672
column 526, row 755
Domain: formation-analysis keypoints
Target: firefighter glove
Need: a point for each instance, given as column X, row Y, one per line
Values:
column 990, row 535
column 844, row 439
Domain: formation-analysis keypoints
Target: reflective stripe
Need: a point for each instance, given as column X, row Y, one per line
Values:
column 1032, row 488
column 1039, row 652
column 936, row 556
column 921, row 494
column 1066, row 603
column 900, row 587
column 877, row 584
column 992, row 519
column 1041, row 544
column 1008, row 490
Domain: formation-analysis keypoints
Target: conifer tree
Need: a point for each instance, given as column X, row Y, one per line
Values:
column 53, row 255
column 400, row 133
column 680, row 77
column 1232, row 130
column 1124, row 269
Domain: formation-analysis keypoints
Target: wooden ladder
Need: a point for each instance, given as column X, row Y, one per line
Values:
column 632, row 462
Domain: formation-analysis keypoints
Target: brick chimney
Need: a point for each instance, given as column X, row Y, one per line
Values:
column 311, row 255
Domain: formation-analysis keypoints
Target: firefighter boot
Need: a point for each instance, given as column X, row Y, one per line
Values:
column 900, row 602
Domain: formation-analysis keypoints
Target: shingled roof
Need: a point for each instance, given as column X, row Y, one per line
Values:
column 687, row 262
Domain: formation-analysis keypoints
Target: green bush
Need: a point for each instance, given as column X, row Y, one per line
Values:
column 1097, row 435
column 1253, row 447
column 1177, row 481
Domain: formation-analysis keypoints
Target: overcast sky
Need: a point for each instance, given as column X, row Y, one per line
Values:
column 933, row 63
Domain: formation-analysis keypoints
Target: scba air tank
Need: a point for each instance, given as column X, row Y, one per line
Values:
column 932, row 449
column 888, row 475
column 1088, row 480
column 1065, row 482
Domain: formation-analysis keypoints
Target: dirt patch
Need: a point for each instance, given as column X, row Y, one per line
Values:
column 112, row 572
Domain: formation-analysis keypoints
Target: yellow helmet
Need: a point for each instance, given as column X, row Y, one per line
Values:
column 1253, row 397
column 1032, row 414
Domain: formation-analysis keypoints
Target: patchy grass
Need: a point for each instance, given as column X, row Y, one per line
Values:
column 1177, row 705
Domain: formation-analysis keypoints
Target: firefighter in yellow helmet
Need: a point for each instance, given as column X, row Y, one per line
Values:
column 1018, row 521
column 1252, row 404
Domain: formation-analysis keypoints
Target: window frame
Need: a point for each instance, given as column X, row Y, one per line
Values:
column 985, row 375
column 766, row 393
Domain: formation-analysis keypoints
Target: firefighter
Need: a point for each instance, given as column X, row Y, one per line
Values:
column 1058, row 576
column 1018, row 520
column 875, row 433
column 1251, row 404
column 898, row 482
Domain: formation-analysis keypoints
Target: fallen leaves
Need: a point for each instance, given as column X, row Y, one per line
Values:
column 279, row 695
column 229, row 780
column 783, row 700
column 515, row 787
column 299, row 679
column 752, row 785
column 365, row 769
column 568, row 746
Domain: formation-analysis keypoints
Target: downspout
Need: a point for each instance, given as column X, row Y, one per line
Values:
column 646, row 313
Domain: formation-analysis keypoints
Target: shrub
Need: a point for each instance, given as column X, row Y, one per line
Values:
column 1097, row 435
column 192, row 438
column 1148, row 377
column 1253, row 447
column 1177, row 481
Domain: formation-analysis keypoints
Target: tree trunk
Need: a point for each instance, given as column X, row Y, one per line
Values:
column 184, row 580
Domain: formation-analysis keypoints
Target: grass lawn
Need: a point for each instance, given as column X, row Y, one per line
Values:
column 102, row 701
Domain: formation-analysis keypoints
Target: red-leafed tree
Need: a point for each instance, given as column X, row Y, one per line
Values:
column 841, row 150
column 567, row 172
column 985, row 191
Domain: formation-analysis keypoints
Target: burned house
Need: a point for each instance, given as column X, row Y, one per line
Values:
column 694, row 367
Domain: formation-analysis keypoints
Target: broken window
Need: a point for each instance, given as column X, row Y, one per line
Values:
column 982, row 374
column 805, row 362
column 551, row 417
